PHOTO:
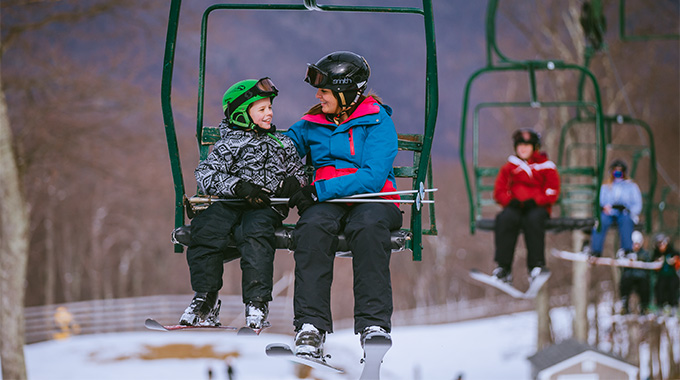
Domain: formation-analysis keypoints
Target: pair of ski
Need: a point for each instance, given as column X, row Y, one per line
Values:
column 152, row 324
column 506, row 287
column 376, row 346
column 609, row 261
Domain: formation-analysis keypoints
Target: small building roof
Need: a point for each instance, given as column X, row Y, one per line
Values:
column 562, row 351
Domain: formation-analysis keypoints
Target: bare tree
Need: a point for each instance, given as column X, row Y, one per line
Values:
column 13, row 253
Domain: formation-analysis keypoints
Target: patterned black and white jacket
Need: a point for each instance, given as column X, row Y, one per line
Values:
column 264, row 159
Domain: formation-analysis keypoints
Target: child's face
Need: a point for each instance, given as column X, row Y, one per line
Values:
column 329, row 104
column 262, row 113
column 524, row 151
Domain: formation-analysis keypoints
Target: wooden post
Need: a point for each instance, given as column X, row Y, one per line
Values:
column 579, row 298
column 579, row 291
column 542, row 302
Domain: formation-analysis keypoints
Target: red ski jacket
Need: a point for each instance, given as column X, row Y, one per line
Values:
column 536, row 179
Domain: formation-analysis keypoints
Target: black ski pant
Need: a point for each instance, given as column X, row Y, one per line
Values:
column 635, row 283
column 666, row 291
column 252, row 230
column 509, row 223
column 367, row 228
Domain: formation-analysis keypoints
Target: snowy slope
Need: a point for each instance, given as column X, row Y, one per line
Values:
column 494, row 348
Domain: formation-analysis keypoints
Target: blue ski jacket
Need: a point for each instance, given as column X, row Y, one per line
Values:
column 622, row 193
column 354, row 157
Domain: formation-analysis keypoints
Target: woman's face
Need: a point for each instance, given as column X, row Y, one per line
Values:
column 662, row 245
column 524, row 151
column 262, row 113
column 329, row 104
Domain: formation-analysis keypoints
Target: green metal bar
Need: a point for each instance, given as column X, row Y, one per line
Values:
column 171, row 136
column 431, row 107
column 647, row 37
column 532, row 84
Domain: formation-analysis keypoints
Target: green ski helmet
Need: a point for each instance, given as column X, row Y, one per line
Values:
column 238, row 97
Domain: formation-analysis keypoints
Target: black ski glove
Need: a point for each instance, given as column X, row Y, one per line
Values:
column 528, row 204
column 514, row 203
column 255, row 195
column 303, row 198
column 287, row 187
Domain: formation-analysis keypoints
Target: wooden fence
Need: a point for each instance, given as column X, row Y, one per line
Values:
column 128, row 314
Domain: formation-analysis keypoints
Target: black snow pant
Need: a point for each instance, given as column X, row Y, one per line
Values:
column 367, row 228
column 666, row 290
column 509, row 223
column 252, row 230
column 635, row 283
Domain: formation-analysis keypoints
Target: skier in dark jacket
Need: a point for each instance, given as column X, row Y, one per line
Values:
column 526, row 187
column 634, row 279
column 253, row 162
column 352, row 142
column 667, row 282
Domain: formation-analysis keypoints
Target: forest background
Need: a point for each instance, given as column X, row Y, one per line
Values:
column 82, row 86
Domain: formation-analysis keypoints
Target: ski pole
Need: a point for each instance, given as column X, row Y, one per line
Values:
column 337, row 200
column 352, row 198
column 398, row 192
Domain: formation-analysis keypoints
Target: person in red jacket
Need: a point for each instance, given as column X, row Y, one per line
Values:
column 526, row 187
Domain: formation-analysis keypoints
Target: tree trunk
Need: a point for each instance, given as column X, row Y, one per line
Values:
column 13, row 254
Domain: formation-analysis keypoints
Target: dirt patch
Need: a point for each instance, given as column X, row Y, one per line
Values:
column 180, row 351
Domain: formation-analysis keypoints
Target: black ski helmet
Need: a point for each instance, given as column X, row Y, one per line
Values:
column 344, row 72
column 526, row 136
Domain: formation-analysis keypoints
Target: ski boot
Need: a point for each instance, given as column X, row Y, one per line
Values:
column 371, row 331
column 256, row 315
column 533, row 273
column 502, row 274
column 309, row 341
column 204, row 310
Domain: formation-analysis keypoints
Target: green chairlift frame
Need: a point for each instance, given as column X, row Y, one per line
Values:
column 420, row 144
column 598, row 22
column 531, row 67
column 637, row 152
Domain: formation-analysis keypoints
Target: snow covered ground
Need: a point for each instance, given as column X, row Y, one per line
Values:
column 493, row 348
column 484, row 349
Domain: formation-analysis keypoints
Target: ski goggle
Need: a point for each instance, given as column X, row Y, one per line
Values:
column 264, row 87
column 315, row 76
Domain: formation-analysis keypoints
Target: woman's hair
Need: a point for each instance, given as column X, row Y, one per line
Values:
column 316, row 109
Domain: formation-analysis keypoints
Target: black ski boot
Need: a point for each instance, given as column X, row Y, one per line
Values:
column 502, row 274
column 256, row 315
column 373, row 331
column 204, row 310
column 534, row 273
column 309, row 341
